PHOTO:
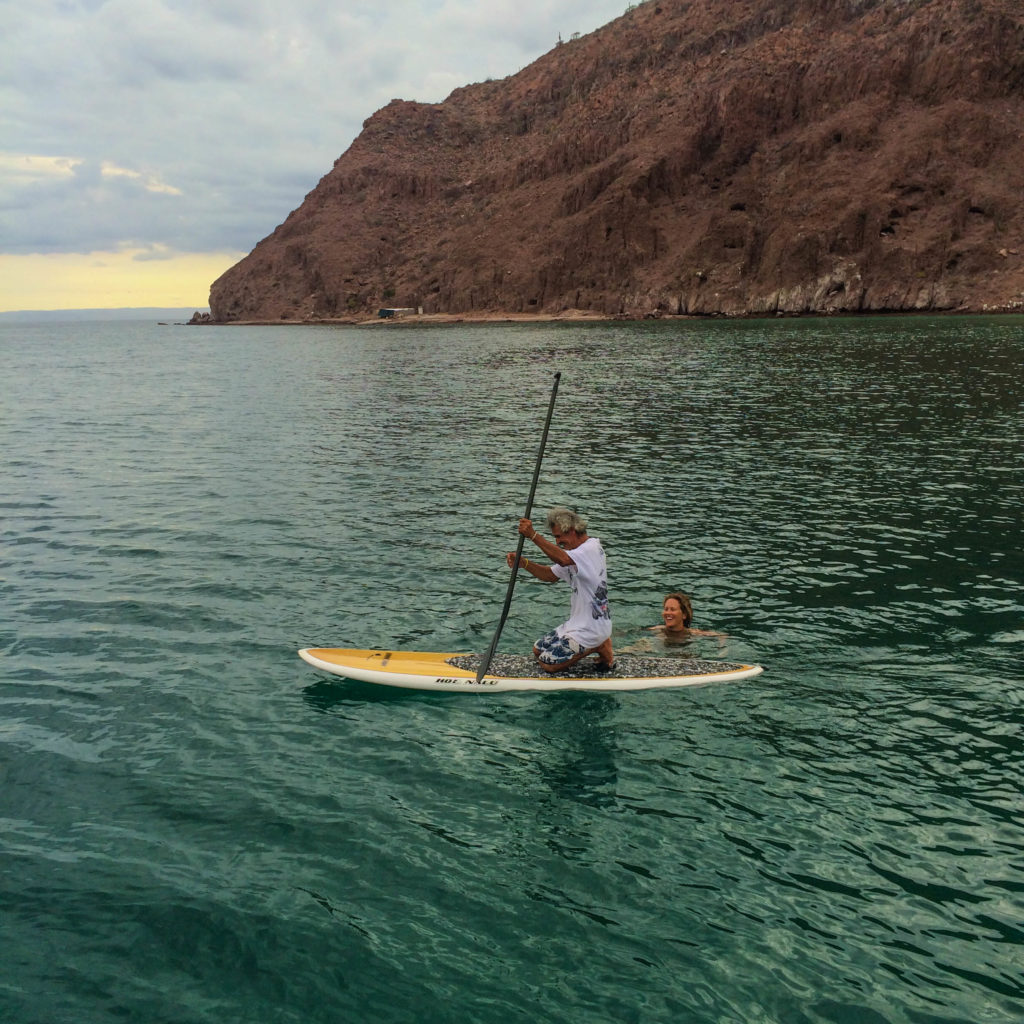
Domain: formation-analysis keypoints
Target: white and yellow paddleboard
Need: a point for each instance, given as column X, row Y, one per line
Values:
column 456, row 673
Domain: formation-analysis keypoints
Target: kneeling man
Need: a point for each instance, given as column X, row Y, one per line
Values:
column 578, row 560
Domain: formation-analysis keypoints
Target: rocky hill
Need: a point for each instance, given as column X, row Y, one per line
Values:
column 715, row 157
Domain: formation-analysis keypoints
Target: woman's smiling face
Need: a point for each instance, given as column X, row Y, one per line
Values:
column 672, row 614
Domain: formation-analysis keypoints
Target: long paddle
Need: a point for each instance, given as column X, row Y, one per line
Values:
column 485, row 661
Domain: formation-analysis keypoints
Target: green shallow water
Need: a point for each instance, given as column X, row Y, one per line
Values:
column 195, row 826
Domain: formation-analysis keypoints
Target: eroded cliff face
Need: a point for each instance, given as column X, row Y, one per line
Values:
column 728, row 157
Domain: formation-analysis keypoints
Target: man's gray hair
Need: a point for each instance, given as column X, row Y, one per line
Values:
column 561, row 520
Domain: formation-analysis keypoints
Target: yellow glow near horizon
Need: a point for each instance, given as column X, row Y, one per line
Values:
column 27, row 167
column 110, row 280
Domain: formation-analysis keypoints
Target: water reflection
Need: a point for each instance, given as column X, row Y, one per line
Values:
column 579, row 762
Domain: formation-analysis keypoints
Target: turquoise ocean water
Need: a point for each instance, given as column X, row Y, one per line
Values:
column 195, row 826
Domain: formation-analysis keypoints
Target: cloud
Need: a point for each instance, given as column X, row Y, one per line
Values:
column 149, row 183
column 28, row 168
column 153, row 253
column 198, row 126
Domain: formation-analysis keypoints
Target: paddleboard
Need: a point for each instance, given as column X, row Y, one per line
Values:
column 456, row 673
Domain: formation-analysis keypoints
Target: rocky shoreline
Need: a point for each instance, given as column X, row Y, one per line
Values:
column 420, row 319
column 576, row 316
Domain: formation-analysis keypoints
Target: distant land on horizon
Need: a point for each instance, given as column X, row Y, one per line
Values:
column 181, row 313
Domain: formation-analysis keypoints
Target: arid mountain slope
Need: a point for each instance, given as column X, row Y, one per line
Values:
column 726, row 156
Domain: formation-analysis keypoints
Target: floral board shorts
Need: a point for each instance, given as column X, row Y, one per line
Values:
column 554, row 649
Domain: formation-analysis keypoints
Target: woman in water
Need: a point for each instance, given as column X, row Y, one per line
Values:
column 677, row 616
column 677, row 628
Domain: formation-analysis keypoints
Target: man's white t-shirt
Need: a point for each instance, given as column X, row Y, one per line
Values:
column 590, row 620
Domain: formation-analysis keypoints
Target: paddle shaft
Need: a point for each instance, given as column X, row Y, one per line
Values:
column 485, row 662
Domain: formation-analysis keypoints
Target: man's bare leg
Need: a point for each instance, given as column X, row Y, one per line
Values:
column 605, row 657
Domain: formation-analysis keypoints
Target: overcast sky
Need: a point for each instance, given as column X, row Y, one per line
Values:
column 146, row 145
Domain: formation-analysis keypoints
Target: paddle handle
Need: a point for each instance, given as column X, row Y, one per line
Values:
column 485, row 661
